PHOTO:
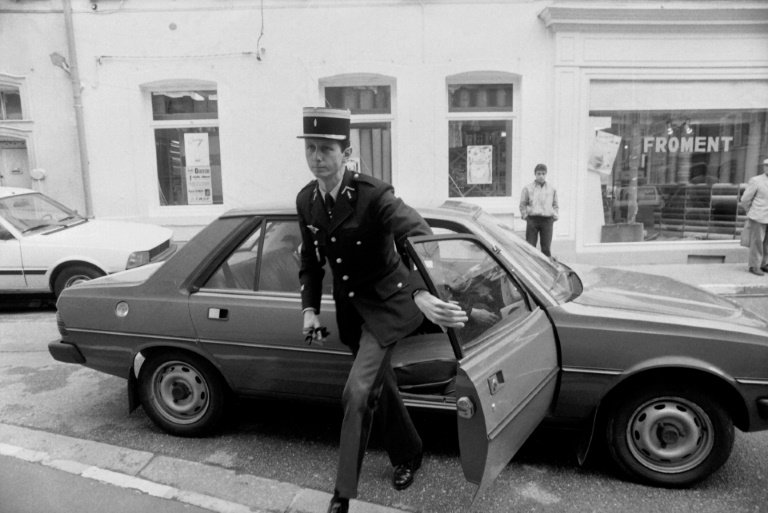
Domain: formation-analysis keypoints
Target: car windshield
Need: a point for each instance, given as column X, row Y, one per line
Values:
column 33, row 212
column 551, row 275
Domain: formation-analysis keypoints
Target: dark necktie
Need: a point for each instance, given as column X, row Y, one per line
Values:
column 329, row 203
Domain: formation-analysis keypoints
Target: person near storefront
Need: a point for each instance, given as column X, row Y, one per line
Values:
column 539, row 208
column 755, row 203
column 356, row 224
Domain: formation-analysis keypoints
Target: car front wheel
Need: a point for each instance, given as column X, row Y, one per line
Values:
column 74, row 274
column 671, row 436
column 182, row 393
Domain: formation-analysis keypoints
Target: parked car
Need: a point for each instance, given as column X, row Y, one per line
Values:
column 46, row 247
column 658, row 370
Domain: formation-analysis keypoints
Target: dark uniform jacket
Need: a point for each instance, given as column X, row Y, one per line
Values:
column 364, row 244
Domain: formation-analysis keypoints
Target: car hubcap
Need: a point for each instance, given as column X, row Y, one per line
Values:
column 670, row 435
column 75, row 280
column 180, row 392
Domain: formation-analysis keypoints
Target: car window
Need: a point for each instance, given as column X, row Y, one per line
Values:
column 464, row 272
column 239, row 270
column 31, row 212
column 275, row 265
column 280, row 257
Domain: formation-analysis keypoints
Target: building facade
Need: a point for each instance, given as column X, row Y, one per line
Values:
column 649, row 115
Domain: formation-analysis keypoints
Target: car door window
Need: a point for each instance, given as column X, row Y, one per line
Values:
column 280, row 261
column 239, row 270
column 465, row 272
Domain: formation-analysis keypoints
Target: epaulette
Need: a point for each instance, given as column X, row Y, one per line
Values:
column 367, row 179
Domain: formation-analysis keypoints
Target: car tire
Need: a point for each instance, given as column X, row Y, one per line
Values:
column 182, row 393
column 671, row 436
column 72, row 275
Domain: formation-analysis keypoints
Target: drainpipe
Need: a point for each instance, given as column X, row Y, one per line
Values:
column 74, row 74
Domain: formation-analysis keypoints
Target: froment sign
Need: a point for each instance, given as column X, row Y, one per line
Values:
column 686, row 144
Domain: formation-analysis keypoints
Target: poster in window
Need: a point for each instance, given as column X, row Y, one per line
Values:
column 603, row 152
column 197, row 149
column 479, row 164
column 199, row 187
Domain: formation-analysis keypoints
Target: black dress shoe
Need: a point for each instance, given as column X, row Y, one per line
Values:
column 756, row 271
column 338, row 505
column 403, row 476
column 764, row 268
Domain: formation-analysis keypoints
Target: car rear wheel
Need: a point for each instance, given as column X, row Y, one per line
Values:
column 182, row 393
column 671, row 436
column 74, row 274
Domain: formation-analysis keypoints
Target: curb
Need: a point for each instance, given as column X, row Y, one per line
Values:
column 206, row 486
column 736, row 290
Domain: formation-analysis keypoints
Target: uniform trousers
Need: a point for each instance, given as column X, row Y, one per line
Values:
column 539, row 226
column 758, row 244
column 372, row 387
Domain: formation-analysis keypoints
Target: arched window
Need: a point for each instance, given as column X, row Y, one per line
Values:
column 369, row 98
column 185, row 120
column 480, row 121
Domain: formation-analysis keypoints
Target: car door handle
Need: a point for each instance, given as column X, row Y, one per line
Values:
column 218, row 314
column 495, row 382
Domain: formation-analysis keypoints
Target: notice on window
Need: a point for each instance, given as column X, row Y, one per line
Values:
column 603, row 152
column 479, row 164
column 197, row 149
column 199, row 189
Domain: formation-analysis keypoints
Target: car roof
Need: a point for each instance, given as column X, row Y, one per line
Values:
column 449, row 209
column 13, row 191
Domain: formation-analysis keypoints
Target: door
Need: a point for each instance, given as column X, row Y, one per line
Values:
column 14, row 168
column 508, row 358
column 248, row 316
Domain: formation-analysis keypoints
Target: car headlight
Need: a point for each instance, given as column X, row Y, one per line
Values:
column 137, row 259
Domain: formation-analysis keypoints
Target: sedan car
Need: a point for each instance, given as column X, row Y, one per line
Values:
column 659, row 371
column 46, row 247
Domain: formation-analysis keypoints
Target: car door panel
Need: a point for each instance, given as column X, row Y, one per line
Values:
column 507, row 352
column 257, row 341
column 11, row 268
column 511, row 381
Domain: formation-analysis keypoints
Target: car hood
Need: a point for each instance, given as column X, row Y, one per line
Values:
column 98, row 233
column 640, row 292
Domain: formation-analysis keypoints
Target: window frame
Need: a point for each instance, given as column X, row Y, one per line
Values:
column 176, row 85
column 366, row 120
column 494, row 204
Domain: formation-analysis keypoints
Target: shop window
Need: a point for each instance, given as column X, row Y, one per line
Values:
column 479, row 139
column 371, row 125
column 10, row 104
column 187, row 147
column 679, row 173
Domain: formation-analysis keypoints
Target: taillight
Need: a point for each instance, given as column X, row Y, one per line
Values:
column 60, row 324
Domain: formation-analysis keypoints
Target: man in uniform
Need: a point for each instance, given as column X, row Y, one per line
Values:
column 356, row 223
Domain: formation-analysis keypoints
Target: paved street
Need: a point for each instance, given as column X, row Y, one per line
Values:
column 293, row 447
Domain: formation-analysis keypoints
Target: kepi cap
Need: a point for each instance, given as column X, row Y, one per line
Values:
column 325, row 123
column 765, row 162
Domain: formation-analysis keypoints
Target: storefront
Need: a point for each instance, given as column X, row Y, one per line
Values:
column 672, row 106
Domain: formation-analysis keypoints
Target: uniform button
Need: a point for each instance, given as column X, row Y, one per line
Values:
column 333, row 239
column 345, row 277
column 358, row 243
column 399, row 285
column 351, row 294
column 315, row 243
column 338, row 260
column 357, row 175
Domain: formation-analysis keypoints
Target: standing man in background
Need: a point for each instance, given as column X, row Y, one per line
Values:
column 356, row 223
column 539, row 208
column 755, row 202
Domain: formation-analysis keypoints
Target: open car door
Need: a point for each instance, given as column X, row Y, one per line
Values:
column 507, row 354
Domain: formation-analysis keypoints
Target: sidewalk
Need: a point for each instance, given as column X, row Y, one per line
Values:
column 207, row 487
column 723, row 279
